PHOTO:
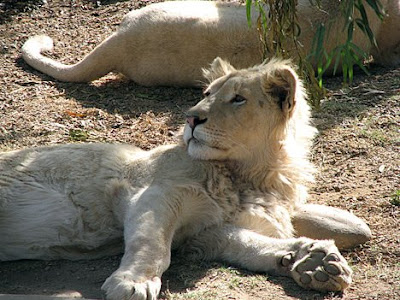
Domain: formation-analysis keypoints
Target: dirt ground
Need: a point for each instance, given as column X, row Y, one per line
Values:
column 356, row 152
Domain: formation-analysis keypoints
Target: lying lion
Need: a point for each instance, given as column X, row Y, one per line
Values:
column 169, row 43
column 233, row 190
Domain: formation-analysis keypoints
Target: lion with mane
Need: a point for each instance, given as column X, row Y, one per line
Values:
column 233, row 190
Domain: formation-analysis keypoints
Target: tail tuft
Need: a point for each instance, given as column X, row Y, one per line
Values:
column 37, row 44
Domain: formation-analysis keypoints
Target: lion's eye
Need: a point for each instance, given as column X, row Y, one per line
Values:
column 238, row 100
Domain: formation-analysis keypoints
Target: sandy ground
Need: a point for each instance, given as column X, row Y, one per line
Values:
column 356, row 152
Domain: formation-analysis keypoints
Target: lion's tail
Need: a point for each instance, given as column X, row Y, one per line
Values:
column 97, row 63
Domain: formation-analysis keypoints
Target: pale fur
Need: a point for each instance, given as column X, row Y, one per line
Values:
column 168, row 43
column 229, row 191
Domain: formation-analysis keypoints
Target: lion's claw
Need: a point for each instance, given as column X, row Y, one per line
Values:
column 321, row 267
column 287, row 259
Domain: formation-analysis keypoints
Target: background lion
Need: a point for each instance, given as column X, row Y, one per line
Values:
column 168, row 43
column 234, row 190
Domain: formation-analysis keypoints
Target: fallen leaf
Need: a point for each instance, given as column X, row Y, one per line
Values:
column 75, row 114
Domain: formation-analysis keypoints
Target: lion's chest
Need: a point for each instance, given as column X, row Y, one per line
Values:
column 212, row 203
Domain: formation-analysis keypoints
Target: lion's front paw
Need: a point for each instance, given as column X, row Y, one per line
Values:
column 123, row 286
column 320, row 266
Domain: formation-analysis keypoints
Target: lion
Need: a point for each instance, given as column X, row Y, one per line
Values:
column 167, row 44
column 234, row 189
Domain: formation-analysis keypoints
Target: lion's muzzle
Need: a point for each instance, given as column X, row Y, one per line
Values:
column 193, row 121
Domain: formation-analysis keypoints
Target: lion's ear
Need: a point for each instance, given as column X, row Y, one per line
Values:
column 281, row 84
column 218, row 68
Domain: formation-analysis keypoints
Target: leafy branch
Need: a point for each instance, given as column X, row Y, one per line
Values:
column 279, row 30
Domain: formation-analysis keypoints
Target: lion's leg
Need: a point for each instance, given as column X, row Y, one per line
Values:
column 311, row 263
column 148, row 231
column 324, row 222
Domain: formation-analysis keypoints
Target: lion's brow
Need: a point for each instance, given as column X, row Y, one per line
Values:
column 219, row 83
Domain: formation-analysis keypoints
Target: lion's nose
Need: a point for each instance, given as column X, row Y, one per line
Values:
column 193, row 121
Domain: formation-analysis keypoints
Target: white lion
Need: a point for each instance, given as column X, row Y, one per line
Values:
column 233, row 190
column 168, row 43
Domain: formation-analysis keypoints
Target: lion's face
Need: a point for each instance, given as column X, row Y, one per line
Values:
column 243, row 111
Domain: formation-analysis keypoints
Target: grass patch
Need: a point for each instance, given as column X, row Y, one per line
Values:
column 395, row 200
column 78, row 135
column 378, row 137
column 197, row 294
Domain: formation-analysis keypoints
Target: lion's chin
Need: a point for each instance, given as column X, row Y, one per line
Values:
column 199, row 150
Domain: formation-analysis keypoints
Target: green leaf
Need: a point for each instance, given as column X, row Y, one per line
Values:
column 350, row 30
column 377, row 7
column 328, row 59
column 364, row 21
column 359, row 50
column 248, row 12
column 338, row 58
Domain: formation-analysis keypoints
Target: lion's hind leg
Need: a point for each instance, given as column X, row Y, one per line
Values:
column 323, row 222
column 34, row 220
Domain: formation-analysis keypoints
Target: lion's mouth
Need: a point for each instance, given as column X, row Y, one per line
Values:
column 195, row 141
column 199, row 142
